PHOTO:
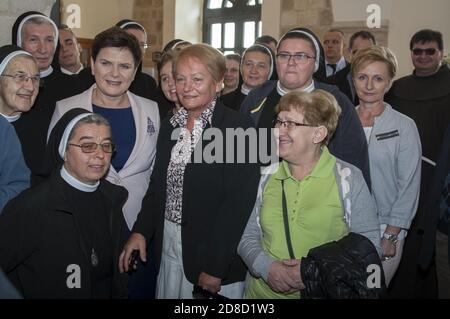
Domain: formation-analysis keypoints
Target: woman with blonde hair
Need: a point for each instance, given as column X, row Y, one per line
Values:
column 395, row 151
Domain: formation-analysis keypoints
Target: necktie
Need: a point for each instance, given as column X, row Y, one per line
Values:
column 333, row 66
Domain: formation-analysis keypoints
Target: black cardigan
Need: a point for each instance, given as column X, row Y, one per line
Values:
column 217, row 202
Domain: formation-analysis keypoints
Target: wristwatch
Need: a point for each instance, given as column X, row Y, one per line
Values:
column 393, row 238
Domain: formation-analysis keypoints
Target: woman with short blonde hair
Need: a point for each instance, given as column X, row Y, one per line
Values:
column 394, row 151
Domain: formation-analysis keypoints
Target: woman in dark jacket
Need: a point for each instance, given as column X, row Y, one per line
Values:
column 199, row 209
column 61, row 239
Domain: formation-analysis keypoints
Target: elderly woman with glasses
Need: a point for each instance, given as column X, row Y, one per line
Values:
column 19, row 87
column 61, row 239
column 311, row 198
column 134, row 121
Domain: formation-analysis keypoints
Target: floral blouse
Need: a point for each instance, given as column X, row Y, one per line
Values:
column 181, row 156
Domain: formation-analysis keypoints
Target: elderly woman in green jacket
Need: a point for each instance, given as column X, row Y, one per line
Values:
column 309, row 199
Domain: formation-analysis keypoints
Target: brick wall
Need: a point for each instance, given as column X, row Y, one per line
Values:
column 11, row 9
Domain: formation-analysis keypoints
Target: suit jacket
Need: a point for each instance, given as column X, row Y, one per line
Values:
column 343, row 80
column 217, row 201
column 135, row 175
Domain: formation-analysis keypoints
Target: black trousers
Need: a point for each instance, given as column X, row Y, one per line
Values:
column 410, row 281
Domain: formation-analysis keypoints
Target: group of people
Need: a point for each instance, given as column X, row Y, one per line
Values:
column 102, row 194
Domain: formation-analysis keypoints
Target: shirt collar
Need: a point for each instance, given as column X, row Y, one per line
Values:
column 340, row 64
column 75, row 183
column 245, row 90
column 282, row 91
column 180, row 118
column 12, row 118
column 322, row 169
column 46, row 73
column 65, row 71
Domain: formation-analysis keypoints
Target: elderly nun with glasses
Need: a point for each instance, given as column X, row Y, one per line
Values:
column 61, row 239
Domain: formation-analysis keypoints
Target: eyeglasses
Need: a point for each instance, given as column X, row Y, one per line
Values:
column 429, row 51
column 92, row 147
column 298, row 57
column 289, row 124
column 22, row 78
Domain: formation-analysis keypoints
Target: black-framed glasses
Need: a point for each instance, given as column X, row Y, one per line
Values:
column 428, row 51
column 297, row 57
column 91, row 147
column 277, row 123
column 22, row 78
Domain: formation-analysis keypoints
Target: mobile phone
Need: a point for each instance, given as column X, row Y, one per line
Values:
column 134, row 258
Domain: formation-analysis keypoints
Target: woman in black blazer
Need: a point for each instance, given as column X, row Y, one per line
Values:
column 199, row 200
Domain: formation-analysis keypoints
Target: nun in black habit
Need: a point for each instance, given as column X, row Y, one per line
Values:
column 348, row 142
column 234, row 99
column 61, row 239
column 32, row 126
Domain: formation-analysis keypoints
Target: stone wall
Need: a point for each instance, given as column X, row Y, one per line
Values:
column 317, row 15
column 150, row 14
column 11, row 9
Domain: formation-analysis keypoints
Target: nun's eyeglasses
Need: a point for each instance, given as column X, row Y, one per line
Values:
column 22, row 78
column 91, row 147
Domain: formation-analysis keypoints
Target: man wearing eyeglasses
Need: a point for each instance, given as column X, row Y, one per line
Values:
column 299, row 57
column 424, row 96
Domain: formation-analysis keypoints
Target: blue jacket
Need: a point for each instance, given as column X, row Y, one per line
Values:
column 14, row 173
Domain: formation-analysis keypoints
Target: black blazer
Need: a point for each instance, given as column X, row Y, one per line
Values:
column 39, row 239
column 217, row 201
column 342, row 80
column 233, row 99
